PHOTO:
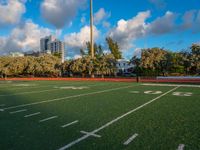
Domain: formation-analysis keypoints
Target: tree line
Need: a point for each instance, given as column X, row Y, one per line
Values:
column 158, row 61
column 152, row 62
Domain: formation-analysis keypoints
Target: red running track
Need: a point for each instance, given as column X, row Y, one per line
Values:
column 153, row 80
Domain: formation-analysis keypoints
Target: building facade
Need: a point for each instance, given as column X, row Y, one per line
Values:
column 123, row 66
column 50, row 44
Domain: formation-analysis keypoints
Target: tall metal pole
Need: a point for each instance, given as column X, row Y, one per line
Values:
column 91, row 29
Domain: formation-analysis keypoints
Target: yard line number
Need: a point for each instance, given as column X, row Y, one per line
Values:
column 186, row 94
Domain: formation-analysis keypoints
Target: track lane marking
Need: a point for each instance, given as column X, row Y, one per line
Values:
column 31, row 115
column 47, row 119
column 69, row 124
column 130, row 139
column 115, row 120
column 65, row 98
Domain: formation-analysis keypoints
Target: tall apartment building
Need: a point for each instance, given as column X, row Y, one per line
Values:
column 50, row 44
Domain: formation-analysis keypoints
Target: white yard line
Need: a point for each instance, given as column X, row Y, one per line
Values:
column 18, row 111
column 31, row 115
column 171, row 85
column 50, row 118
column 65, row 98
column 181, row 147
column 90, row 134
column 130, row 139
column 114, row 120
column 69, row 124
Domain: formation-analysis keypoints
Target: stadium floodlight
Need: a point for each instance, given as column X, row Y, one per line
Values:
column 91, row 29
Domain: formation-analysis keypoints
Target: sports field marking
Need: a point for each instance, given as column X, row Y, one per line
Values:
column 31, row 115
column 65, row 98
column 1, row 110
column 57, row 88
column 181, row 147
column 115, row 120
column 130, row 139
column 72, row 87
column 46, row 119
column 134, row 92
column 187, row 94
column 171, row 85
column 91, row 134
column 29, row 92
column 69, row 124
column 24, row 85
column 18, row 111
column 153, row 92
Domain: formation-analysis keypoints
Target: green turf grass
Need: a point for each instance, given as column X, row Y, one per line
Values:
column 162, row 125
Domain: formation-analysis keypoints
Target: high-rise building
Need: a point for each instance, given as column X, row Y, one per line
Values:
column 52, row 45
column 44, row 42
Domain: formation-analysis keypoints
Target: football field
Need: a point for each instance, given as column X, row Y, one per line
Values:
column 92, row 115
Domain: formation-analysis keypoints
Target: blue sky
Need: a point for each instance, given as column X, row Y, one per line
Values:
column 172, row 24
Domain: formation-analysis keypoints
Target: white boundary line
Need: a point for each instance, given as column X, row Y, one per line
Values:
column 171, row 85
column 115, row 120
column 130, row 139
column 18, row 111
column 46, row 119
column 181, row 147
column 31, row 115
column 69, row 124
column 65, row 98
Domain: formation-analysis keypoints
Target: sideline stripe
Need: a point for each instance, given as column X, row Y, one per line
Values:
column 68, row 97
column 18, row 111
column 50, row 118
column 130, row 139
column 171, row 85
column 30, row 115
column 181, row 147
column 115, row 120
column 69, row 124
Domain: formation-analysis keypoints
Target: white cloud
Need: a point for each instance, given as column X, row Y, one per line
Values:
column 60, row 12
column 101, row 15
column 23, row 38
column 106, row 24
column 11, row 12
column 163, row 25
column 78, row 40
column 128, row 30
column 137, row 52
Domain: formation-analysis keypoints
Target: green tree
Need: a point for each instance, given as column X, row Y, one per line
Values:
column 114, row 48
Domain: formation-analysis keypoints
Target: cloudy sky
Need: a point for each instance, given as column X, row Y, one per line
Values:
column 134, row 24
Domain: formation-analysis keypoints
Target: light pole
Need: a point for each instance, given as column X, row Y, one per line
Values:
column 91, row 29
